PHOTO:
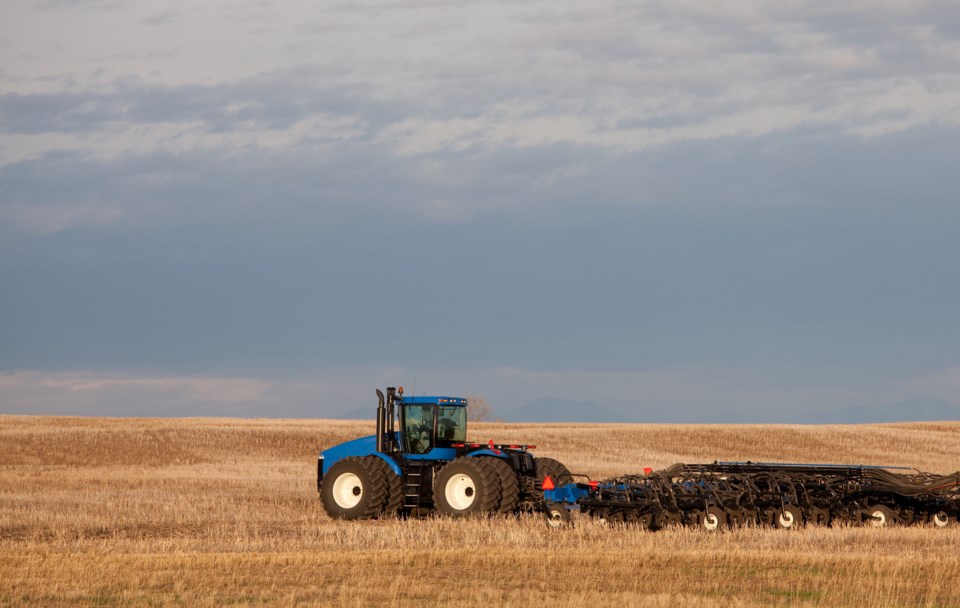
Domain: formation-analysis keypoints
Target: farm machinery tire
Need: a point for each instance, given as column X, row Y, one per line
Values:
column 466, row 486
column 354, row 488
column 554, row 468
column 881, row 516
column 790, row 517
column 557, row 516
column 394, row 488
column 509, row 485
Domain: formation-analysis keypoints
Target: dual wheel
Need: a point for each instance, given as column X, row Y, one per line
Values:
column 361, row 488
column 483, row 485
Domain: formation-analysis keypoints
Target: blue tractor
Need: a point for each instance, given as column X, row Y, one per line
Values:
column 427, row 464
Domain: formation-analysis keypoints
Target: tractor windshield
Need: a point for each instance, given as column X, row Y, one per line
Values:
column 451, row 425
column 419, row 431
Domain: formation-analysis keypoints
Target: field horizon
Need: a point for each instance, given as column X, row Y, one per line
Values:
column 224, row 511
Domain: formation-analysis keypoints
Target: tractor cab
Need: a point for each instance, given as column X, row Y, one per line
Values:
column 432, row 422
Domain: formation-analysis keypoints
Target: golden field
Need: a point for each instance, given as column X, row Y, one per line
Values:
column 224, row 512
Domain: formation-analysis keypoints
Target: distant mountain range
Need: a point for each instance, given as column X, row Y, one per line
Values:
column 551, row 409
column 917, row 409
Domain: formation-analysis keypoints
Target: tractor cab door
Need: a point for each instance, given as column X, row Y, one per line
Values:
column 417, row 421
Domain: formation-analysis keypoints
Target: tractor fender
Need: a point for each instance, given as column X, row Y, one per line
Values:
column 363, row 446
column 487, row 452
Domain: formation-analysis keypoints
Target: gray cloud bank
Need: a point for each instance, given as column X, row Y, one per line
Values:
column 739, row 208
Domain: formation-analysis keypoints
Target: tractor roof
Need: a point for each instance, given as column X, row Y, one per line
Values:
column 448, row 401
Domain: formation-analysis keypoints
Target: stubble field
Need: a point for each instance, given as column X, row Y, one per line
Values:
column 224, row 512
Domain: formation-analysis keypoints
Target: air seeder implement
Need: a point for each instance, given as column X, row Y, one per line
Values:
column 426, row 465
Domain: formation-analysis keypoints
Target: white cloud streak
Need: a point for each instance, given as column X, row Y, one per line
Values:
column 612, row 75
column 680, row 394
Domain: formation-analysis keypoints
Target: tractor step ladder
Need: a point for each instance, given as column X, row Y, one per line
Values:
column 418, row 485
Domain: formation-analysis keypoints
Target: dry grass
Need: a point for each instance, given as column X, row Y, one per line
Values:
column 212, row 512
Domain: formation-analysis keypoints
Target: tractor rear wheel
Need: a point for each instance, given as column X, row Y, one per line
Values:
column 509, row 486
column 466, row 486
column 354, row 488
column 554, row 468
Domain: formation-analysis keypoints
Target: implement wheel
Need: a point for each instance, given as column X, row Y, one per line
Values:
column 466, row 486
column 713, row 519
column 881, row 516
column 820, row 517
column 942, row 519
column 789, row 517
column 354, row 488
column 557, row 516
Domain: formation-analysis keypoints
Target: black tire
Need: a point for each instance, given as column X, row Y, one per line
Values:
column 880, row 516
column 497, row 488
column 819, row 517
column 509, row 485
column 907, row 517
column 942, row 519
column 713, row 519
column 394, row 487
column 557, row 516
column 466, row 486
column 790, row 517
column 554, row 468
column 667, row 519
column 354, row 488
column 749, row 518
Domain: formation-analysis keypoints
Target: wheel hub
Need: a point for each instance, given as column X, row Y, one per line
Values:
column 460, row 491
column 347, row 490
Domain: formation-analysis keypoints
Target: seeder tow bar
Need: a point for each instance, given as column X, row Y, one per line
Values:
column 783, row 495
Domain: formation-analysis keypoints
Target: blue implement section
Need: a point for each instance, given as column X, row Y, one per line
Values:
column 567, row 494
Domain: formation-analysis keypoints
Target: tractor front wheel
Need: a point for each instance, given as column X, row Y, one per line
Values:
column 354, row 488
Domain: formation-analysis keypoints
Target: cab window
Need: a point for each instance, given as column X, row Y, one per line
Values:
column 418, row 428
column 451, row 425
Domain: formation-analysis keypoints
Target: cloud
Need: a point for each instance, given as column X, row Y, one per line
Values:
column 684, row 395
column 616, row 188
column 118, row 393
column 632, row 78
column 38, row 220
column 164, row 18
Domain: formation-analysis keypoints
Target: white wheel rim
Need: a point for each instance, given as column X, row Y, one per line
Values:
column 347, row 491
column 786, row 519
column 941, row 520
column 555, row 518
column 879, row 519
column 711, row 521
column 460, row 491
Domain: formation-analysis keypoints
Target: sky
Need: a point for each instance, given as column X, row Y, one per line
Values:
column 272, row 208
